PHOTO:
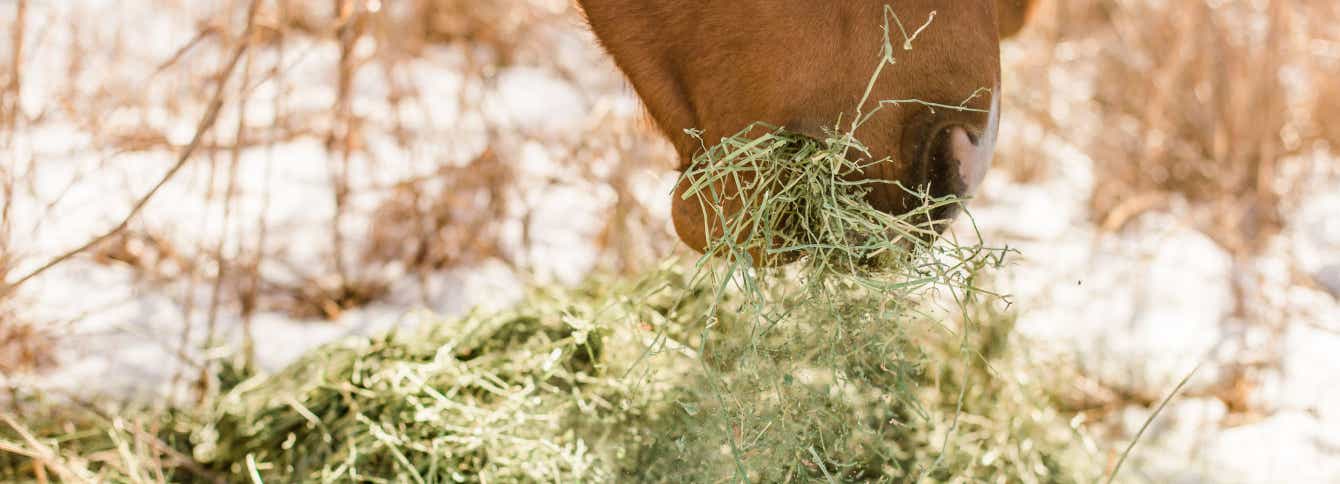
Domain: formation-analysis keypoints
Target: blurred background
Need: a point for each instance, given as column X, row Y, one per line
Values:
column 186, row 181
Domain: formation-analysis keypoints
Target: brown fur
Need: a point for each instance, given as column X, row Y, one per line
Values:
column 719, row 65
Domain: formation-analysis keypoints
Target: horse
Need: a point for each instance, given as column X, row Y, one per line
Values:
column 719, row 66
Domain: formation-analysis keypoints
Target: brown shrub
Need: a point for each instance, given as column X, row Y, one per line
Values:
column 1191, row 100
column 24, row 347
column 1324, row 21
column 1327, row 108
column 1193, row 103
column 447, row 219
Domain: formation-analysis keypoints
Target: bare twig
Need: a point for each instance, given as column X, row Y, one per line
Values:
column 206, row 123
column 229, row 194
column 16, row 54
column 15, row 86
column 9, row 108
column 251, row 293
column 181, row 52
column 342, row 132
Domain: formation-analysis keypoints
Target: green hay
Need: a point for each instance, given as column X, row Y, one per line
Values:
column 600, row 384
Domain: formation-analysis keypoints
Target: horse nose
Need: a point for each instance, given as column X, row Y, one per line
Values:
column 954, row 160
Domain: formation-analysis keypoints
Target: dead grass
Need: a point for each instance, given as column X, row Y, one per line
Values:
column 444, row 220
column 1199, row 107
column 25, row 348
column 1325, row 54
column 1327, row 106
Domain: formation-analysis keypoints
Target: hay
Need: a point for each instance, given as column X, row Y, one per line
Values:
column 604, row 383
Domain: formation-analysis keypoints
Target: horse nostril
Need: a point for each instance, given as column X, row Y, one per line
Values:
column 956, row 163
column 953, row 163
column 973, row 157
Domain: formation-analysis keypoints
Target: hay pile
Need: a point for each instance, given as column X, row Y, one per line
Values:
column 602, row 383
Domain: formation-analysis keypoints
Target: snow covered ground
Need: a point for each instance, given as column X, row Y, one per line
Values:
column 1135, row 309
